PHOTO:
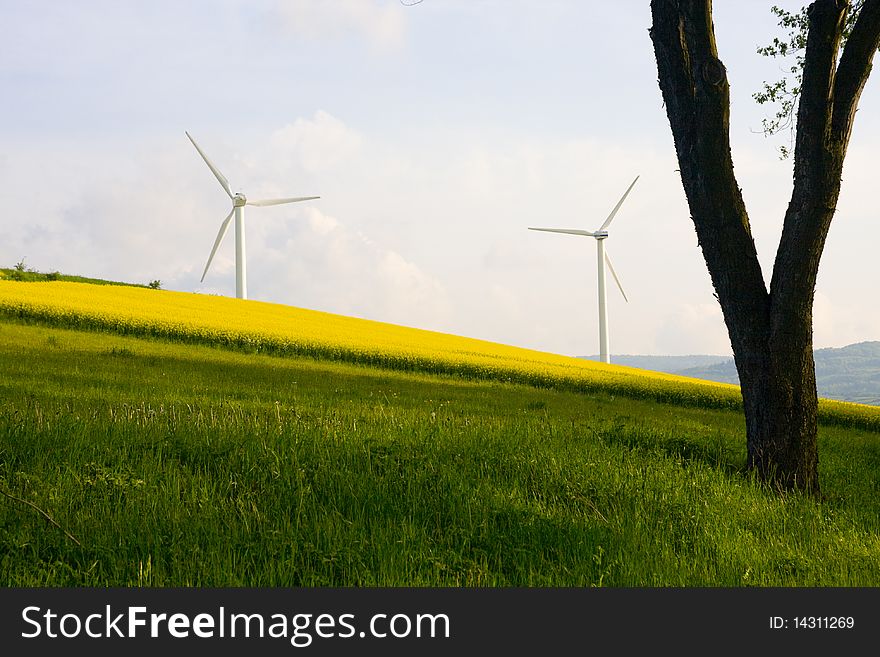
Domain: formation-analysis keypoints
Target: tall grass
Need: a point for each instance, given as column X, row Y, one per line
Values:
column 186, row 465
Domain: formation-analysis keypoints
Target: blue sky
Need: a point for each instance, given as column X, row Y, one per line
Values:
column 434, row 134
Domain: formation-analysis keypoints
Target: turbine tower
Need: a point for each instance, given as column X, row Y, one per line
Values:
column 601, row 235
column 239, row 200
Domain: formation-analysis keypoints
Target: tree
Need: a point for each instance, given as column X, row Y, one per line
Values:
column 771, row 330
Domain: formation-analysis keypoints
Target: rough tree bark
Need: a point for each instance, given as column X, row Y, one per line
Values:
column 771, row 331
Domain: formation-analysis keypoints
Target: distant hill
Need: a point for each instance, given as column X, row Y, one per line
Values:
column 850, row 373
column 668, row 364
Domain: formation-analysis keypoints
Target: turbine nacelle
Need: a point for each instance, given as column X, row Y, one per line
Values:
column 239, row 200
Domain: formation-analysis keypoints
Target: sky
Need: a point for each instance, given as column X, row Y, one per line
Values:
column 435, row 134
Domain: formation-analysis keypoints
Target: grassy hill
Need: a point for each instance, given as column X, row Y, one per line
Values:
column 316, row 450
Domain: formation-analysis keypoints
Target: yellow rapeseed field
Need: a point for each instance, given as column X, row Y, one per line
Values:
column 279, row 329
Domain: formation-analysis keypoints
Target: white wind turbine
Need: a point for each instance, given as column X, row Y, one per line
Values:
column 601, row 235
column 239, row 200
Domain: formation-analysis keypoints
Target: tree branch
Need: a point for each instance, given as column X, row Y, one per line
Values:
column 697, row 96
column 854, row 69
column 818, row 164
column 676, row 82
column 826, row 20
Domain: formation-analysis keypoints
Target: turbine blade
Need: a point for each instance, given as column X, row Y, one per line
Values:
column 220, row 177
column 617, row 207
column 280, row 201
column 223, row 228
column 614, row 274
column 568, row 231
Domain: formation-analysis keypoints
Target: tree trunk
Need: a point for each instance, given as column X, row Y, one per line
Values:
column 770, row 331
column 780, row 403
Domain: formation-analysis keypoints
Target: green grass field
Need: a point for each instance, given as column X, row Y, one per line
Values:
column 176, row 464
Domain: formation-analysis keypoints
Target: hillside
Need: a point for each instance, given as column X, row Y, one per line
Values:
column 175, row 464
column 850, row 373
column 284, row 330
column 182, row 440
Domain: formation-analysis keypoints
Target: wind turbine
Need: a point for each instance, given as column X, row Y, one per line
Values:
column 601, row 235
column 239, row 200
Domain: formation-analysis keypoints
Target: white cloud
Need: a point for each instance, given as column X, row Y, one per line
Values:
column 321, row 263
column 99, row 213
column 318, row 144
column 693, row 328
column 321, row 223
column 841, row 321
column 382, row 24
